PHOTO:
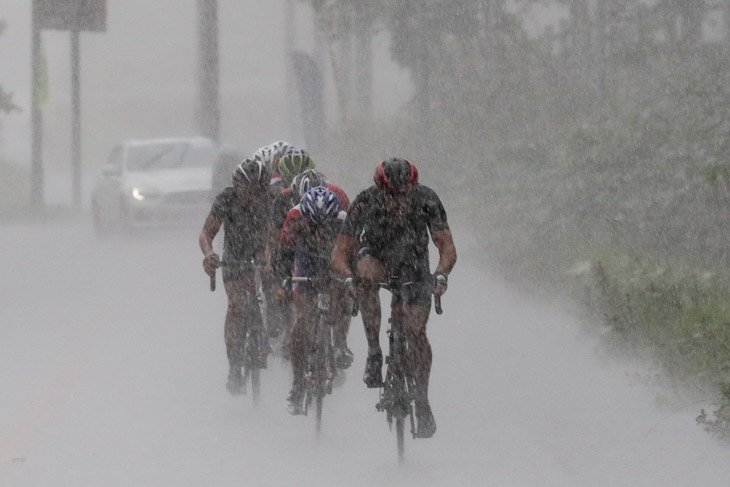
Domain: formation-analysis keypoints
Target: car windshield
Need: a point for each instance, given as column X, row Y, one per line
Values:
column 172, row 155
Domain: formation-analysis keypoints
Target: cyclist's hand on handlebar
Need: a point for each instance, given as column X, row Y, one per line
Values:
column 440, row 284
column 211, row 262
column 282, row 294
column 349, row 284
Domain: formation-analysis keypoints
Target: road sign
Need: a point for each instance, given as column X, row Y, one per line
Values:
column 73, row 15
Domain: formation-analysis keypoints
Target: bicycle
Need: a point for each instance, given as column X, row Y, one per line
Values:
column 255, row 344
column 397, row 394
column 321, row 367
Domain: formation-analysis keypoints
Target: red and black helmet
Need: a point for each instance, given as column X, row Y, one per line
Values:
column 396, row 175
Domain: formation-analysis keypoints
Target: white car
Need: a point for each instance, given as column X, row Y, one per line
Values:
column 153, row 182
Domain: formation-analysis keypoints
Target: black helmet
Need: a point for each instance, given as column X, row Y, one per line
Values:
column 251, row 174
column 396, row 175
column 305, row 181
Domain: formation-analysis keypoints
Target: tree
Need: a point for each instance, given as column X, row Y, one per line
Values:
column 6, row 99
column 348, row 26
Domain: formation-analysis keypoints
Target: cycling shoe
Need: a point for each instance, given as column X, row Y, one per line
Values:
column 373, row 376
column 235, row 383
column 426, row 422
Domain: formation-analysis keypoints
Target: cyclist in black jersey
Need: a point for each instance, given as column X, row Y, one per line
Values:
column 387, row 231
column 243, row 211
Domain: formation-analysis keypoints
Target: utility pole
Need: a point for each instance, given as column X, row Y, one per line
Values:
column 74, row 16
column 76, row 117
column 36, row 120
column 290, row 39
column 208, row 69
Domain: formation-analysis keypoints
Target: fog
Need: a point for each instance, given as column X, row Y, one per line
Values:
column 112, row 359
column 114, row 370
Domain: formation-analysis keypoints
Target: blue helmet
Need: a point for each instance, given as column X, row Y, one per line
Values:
column 320, row 205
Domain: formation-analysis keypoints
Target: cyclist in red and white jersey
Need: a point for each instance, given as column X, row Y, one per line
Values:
column 307, row 239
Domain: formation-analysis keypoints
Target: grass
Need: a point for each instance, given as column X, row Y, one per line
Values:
column 680, row 317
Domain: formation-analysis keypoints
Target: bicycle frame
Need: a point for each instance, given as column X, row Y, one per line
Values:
column 320, row 369
column 397, row 395
column 254, row 347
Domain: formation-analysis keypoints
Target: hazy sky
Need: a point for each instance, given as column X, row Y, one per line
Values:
column 139, row 78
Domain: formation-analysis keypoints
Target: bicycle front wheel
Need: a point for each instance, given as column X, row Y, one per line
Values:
column 400, row 438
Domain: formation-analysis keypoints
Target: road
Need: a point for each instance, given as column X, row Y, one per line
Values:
column 112, row 372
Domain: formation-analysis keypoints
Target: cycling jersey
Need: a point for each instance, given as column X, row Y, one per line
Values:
column 397, row 238
column 244, row 226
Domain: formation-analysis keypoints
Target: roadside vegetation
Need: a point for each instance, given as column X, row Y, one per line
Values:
column 594, row 157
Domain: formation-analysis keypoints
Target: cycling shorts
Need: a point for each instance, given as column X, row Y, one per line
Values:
column 417, row 274
column 244, row 272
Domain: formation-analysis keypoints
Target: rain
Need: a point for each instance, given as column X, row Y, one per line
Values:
column 579, row 148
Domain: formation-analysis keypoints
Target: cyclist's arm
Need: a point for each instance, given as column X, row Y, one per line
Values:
column 447, row 251
column 282, row 261
column 345, row 247
column 210, row 229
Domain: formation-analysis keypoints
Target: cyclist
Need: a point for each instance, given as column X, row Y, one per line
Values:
column 307, row 238
column 242, row 209
column 294, row 162
column 301, row 183
column 270, row 154
column 285, row 201
column 291, row 163
column 386, row 231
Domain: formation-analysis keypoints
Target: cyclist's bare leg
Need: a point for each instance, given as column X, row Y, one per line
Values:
column 235, row 325
column 370, row 271
column 304, row 304
column 419, row 351
column 419, row 356
column 338, row 313
column 339, row 320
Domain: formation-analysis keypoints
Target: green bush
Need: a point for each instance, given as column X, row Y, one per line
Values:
column 681, row 318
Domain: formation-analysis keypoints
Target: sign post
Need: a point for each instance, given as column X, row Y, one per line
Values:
column 74, row 16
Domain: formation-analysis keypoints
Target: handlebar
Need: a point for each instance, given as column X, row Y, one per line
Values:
column 240, row 264
column 289, row 280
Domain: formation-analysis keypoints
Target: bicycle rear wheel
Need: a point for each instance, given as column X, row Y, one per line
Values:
column 318, row 408
column 256, row 386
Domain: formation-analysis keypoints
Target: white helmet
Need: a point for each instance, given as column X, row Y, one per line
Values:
column 270, row 154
